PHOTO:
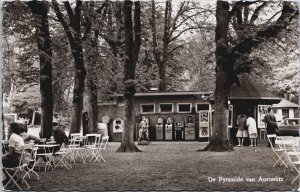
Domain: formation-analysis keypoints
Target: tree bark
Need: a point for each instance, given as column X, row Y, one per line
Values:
column 77, row 52
column 219, row 141
column 132, row 48
column 91, row 85
column 161, row 59
column 40, row 11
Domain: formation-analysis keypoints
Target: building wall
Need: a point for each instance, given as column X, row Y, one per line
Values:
column 117, row 110
column 114, row 111
column 279, row 114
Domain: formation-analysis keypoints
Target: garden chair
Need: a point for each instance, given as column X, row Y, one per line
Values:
column 91, row 143
column 290, row 153
column 61, row 157
column 44, row 155
column 32, row 161
column 296, row 163
column 102, row 146
column 279, row 152
column 76, row 151
column 16, row 173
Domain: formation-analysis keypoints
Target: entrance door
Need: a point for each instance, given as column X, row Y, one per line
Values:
column 242, row 107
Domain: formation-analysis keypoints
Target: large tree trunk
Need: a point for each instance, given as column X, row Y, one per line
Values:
column 77, row 52
column 132, row 48
column 91, row 84
column 40, row 11
column 219, row 140
column 161, row 59
column 80, row 72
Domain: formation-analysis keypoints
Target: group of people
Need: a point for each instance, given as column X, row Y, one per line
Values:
column 247, row 128
column 19, row 136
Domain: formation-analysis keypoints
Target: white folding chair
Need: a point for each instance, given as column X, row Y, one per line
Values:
column 296, row 149
column 91, row 143
column 61, row 157
column 102, row 146
column 289, row 153
column 279, row 152
column 16, row 173
column 32, row 161
column 44, row 157
column 75, row 151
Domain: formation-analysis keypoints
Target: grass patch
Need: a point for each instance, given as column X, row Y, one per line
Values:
column 170, row 166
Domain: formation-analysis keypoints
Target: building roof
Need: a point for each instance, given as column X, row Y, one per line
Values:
column 246, row 90
column 250, row 90
column 165, row 93
column 285, row 104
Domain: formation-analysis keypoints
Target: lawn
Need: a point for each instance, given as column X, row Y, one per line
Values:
column 171, row 166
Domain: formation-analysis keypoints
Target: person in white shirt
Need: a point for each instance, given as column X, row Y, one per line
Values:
column 252, row 130
column 16, row 147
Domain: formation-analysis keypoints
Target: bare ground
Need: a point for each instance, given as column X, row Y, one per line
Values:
column 170, row 166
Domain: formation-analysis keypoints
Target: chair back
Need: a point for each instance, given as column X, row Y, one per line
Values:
column 76, row 139
column 91, row 140
column 269, row 139
column 104, row 142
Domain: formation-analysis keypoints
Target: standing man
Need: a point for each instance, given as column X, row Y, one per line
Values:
column 85, row 123
column 272, row 127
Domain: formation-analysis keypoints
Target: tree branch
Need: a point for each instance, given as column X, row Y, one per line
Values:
column 188, row 17
column 246, row 45
column 181, row 32
column 137, row 29
column 257, row 11
column 155, row 48
column 60, row 18
column 239, row 3
column 176, row 18
column 69, row 11
column 175, row 48
column 102, row 7
column 273, row 16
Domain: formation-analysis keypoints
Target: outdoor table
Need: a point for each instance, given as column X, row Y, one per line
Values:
column 48, row 153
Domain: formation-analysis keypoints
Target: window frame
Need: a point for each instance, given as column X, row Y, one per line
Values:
column 190, row 104
column 196, row 106
column 159, row 107
column 285, row 110
column 141, row 108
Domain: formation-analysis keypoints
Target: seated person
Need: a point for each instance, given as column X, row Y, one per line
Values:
column 26, row 136
column 16, row 147
column 59, row 135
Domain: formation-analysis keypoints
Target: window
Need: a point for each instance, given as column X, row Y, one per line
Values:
column 184, row 107
column 202, row 107
column 147, row 108
column 166, row 108
column 285, row 113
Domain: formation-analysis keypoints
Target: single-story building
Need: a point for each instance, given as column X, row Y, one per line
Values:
column 191, row 112
column 286, row 109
